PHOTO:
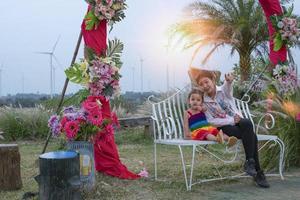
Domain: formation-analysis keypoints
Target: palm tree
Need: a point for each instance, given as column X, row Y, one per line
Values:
column 239, row 24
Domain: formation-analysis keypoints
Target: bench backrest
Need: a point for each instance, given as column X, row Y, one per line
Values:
column 168, row 114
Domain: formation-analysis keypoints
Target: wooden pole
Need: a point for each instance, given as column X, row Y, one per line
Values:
column 64, row 88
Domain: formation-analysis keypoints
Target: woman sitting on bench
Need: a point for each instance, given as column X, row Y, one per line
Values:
column 222, row 113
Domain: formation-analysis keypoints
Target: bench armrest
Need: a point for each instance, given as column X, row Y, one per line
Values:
column 165, row 128
column 268, row 124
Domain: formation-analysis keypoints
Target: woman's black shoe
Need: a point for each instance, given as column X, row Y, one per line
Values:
column 260, row 180
column 249, row 167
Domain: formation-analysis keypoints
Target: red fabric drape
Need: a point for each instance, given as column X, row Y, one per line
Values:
column 105, row 150
column 272, row 7
column 95, row 38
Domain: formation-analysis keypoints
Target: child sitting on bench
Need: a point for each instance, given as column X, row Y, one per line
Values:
column 196, row 126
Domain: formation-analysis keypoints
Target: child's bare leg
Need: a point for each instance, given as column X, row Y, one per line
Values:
column 225, row 137
column 220, row 137
column 211, row 137
column 230, row 140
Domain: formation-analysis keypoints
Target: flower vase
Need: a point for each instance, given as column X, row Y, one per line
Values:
column 87, row 163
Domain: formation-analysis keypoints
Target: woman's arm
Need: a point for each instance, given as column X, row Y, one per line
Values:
column 227, row 86
column 186, row 129
column 218, row 122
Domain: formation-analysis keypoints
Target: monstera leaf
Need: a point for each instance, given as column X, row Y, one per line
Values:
column 114, row 50
column 277, row 42
column 91, row 21
column 76, row 74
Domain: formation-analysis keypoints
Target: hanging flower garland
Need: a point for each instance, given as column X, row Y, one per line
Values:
column 287, row 29
column 101, row 75
column 110, row 10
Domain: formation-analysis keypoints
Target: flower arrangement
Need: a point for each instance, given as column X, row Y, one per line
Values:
column 286, row 27
column 100, row 75
column 286, row 78
column 110, row 10
column 83, row 124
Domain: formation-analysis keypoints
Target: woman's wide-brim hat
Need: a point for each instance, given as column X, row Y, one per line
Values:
column 196, row 74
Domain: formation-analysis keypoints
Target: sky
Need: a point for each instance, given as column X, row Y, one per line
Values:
column 34, row 25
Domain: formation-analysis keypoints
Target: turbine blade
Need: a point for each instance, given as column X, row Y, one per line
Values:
column 57, row 61
column 43, row 52
column 53, row 49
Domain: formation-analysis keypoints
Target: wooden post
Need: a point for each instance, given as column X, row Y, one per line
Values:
column 59, row 176
column 10, row 173
column 64, row 89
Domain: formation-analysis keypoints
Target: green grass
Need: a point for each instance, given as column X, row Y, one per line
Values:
column 134, row 147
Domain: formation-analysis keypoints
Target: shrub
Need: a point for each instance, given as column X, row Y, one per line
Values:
column 23, row 123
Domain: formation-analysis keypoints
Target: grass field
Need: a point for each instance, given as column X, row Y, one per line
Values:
column 133, row 146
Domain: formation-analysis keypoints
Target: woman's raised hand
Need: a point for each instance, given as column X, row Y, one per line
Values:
column 229, row 77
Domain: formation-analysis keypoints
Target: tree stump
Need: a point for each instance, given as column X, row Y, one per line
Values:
column 10, row 173
column 59, row 176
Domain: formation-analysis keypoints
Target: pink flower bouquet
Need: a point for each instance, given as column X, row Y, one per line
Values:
column 110, row 10
column 287, row 29
column 82, row 124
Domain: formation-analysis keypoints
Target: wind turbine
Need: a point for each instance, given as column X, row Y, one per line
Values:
column 142, row 60
column 52, row 70
column 133, row 69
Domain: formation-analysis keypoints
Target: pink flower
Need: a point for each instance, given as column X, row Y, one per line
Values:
column 95, row 98
column 63, row 121
column 95, row 117
column 71, row 129
column 144, row 173
column 114, row 119
column 89, row 106
column 298, row 117
column 109, row 129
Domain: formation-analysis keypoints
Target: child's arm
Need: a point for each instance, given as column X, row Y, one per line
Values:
column 186, row 129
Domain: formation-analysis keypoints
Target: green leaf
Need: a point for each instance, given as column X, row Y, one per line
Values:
column 91, row 21
column 114, row 50
column 76, row 75
column 90, row 53
column 277, row 42
column 289, row 11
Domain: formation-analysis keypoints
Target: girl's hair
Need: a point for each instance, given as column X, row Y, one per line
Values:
column 195, row 91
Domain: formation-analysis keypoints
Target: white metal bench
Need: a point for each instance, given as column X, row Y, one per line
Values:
column 167, row 118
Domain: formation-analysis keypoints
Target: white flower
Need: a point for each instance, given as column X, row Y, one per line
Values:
column 285, row 68
column 276, row 70
column 293, row 38
column 280, row 24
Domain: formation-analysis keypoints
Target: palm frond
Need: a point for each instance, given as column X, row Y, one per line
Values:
column 208, row 55
column 114, row 50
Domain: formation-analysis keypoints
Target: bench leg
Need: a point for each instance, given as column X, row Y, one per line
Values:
column 192, row 166
column 281, row 157
column 183, row 168
column 155, row 162
column 188, row 184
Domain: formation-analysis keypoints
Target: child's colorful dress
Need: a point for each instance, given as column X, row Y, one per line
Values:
column 199, row 126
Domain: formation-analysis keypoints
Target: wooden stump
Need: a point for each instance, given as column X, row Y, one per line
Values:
column 10, row 174
column 59, row 176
